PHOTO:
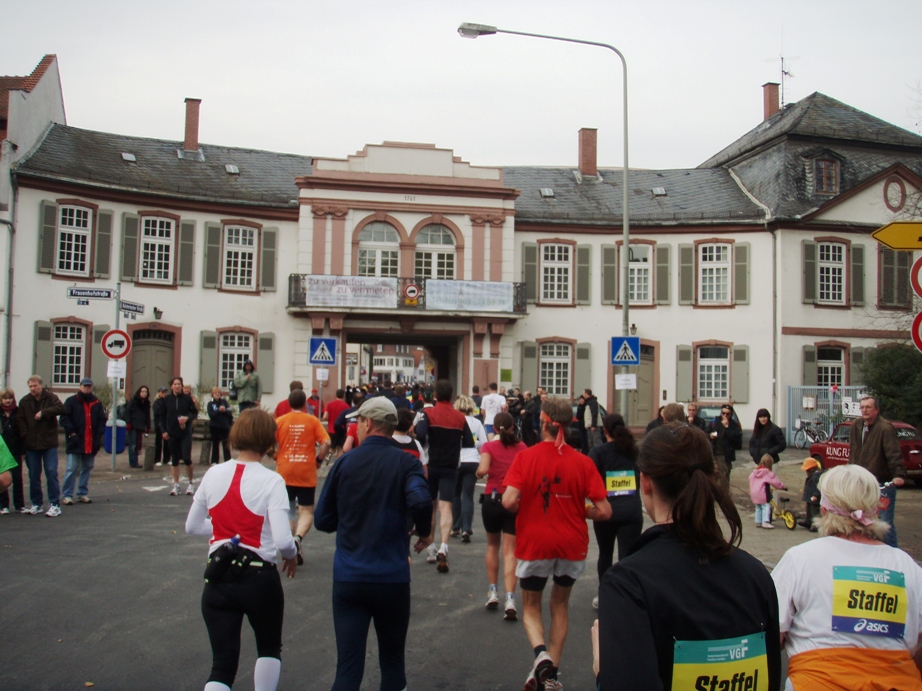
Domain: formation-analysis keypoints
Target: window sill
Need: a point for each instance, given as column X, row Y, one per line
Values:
column 831, row 306
column 714, row 306
column 156, row 286
column 73, row 279
column 238, row 291
column 555, row 304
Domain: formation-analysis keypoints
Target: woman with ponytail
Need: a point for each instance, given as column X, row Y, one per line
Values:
column 686, row 601
column 499, row 523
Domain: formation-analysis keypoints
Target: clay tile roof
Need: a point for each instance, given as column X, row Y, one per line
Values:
column 22, row 83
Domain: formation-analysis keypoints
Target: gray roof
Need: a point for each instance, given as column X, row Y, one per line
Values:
column 692, row 196
column 95, row 158
column 817, row 115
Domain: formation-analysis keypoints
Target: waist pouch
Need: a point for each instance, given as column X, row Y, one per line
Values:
column 494, row 497
column 230, row 561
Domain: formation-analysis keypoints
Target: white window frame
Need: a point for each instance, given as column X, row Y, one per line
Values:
column 432, row 258
column 830, row 371
column 715, row 273
column 69, row 355
column 556, row 265
column 75, row 240
column 158, row 245
column 640, row 274
column 831, row 273
column 235, row 348
column 379, row 251
column 555, row 368
column 712, row 377
column 238, row 270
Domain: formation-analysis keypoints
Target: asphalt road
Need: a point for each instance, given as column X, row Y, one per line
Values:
column 108, row 594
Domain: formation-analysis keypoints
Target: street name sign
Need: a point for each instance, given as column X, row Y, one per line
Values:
column 131, row 307
column 900, row 235
column 90, row 293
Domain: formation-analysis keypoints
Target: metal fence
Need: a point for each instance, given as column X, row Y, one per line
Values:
column 818, row 405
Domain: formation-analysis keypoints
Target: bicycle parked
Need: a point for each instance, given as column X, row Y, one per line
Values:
column 808, row 432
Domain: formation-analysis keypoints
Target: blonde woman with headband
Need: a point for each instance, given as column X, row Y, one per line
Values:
column 850, row 606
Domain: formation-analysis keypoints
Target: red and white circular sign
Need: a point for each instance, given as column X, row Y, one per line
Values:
column 917, row 331
column 914, row 276
column 116, row 344
column 411, row 291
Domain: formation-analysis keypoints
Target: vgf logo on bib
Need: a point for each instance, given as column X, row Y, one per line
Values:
column 869, row 601
column 731, row 664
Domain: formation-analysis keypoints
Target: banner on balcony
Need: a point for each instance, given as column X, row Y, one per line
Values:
column 469, row 296
column 350, row 291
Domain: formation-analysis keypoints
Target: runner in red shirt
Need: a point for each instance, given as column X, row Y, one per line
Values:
column 330, row 413
column 554, row 489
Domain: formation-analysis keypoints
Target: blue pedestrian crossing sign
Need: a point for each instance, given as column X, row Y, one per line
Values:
column 625, row 350
column 322, row 351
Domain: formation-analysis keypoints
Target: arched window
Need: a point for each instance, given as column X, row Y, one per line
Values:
column 379, row 250
column 435, row 253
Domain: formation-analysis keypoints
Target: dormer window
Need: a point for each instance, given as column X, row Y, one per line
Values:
column 826, row 176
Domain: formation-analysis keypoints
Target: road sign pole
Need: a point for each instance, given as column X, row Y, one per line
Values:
column 114, row 382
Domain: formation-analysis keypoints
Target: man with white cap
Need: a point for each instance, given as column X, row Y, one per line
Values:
column 366, row 500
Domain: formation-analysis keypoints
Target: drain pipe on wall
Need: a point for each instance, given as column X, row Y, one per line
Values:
column 8, row 356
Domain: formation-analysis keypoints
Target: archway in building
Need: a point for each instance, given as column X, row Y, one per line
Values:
column 443, row 351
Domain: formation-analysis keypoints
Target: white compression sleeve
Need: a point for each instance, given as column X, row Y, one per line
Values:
column 267, row 672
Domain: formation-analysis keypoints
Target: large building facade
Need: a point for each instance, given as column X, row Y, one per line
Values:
column 751, row 274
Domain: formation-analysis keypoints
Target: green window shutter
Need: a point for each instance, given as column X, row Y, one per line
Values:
column 662, row 275
column 810, row 373
column 686, row 275
column 809, row 287
column 582, row 371
column 211, row 271
column 268, row 270
column 857, row 269
column 185, row 268
column 265, row 356
column 130, row 229
column 903, row 286
column 102, row 265
column 47, row 237
column 609, row 274
column 741, row 273
column 529, row 374
column 583, row 274
column 684, row 374
column 99, row 362
column 208, row 374
column 856, row 366
column 43, row 353
column 739, row 374
column 887, row 281
column 530, row 270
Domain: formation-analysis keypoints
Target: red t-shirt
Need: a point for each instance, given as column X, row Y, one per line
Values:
column 332, row 411
column 282, row 408
column 551, row 522
column 501, row 458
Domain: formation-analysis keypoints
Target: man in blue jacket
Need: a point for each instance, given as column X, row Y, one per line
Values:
column 84, row 423
column 366, row 500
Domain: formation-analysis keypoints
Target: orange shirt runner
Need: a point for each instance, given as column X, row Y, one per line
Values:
column 298, row 435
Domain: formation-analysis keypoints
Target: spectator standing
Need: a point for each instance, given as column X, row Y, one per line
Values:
column 180, row 412
column 693, row 419
column 591, row 420
column 296, row 460
column 38, row 427
column 811, row 495
column 84, row 423
column 872, row 444
column 366, row 500
column 9, row 413
column 138, row 410
column 249, row 387
column 491, row 404
column 726, row 437
column 550, row 486
column 767, row 438
column 220, row 417
column 657, row 421
column 161, row 447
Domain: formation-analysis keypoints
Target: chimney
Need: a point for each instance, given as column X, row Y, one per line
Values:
column 588, row 147
column 770, row 104
column 192, row 108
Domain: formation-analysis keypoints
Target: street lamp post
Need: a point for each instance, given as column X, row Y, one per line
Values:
column 468, row 30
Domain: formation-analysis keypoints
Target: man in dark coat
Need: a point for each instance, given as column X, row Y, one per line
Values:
column 84, row 423
column 38, row 427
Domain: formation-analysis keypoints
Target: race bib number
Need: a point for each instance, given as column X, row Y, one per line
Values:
column 869, row 601
column 737, row 664
column 620, row 483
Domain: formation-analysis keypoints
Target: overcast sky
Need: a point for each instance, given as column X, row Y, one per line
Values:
column 325, row 78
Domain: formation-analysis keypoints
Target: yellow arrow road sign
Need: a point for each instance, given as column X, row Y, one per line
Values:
column 900, row 235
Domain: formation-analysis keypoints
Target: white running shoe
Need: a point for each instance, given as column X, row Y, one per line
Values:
column 595, row 602
column 53, row 511
column 768, row 525
column 190, row 489
column 511, row 614
column 492, row 599
column 175, row 491
column 36, row 509
column 432, row 554
column 538, row 674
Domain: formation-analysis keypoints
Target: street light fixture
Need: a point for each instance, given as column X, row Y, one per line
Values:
column 469, row 30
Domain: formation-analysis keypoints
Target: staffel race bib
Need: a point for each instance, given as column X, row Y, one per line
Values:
column 731, row 664
column 620, row 483
column 868, row 601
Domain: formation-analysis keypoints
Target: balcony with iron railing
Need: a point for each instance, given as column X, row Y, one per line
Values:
column 367, row 294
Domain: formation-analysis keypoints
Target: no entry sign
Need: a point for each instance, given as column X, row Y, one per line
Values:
column 916, row 328
column 116, row 344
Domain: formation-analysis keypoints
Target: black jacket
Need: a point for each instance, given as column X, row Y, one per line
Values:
column 11, row 434
column 158, row 410
column 593, row 404
column 663, row 592
column 216, row 417
column 625, row 508
column 770, row 441
column 74, row 421
column 176, row 407
column 728, row 439
column 139, row 414
column 38, row 435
